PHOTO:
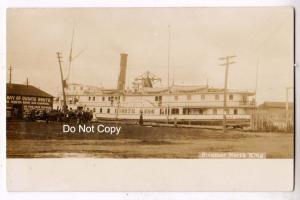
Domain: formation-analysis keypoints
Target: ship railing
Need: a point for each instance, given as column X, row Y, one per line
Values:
column 173, row 116
column 171, row 103
column 209, row 103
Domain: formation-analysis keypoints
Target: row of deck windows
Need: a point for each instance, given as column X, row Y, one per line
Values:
column 126, row 111
column 189, row 97
column 92, row 98
column 110, row 98
column 156, row 98
column 166, row 111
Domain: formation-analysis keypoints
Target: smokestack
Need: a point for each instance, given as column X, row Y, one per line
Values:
column 122, row 75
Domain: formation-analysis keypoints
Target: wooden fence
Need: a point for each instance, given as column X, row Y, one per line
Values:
column 269, row 121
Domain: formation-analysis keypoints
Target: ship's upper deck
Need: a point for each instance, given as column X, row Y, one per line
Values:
column 83, row 90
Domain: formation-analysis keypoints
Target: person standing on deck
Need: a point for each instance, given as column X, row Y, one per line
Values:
column 141, row 121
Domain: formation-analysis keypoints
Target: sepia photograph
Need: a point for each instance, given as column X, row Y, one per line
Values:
column 167, row 83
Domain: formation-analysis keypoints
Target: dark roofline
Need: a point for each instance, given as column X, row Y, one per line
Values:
column 25, row 90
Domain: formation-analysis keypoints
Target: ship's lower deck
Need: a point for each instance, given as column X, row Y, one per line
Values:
column 243, row 120
column 179, row 115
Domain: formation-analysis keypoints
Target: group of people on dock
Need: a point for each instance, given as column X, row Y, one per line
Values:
column 67, row 115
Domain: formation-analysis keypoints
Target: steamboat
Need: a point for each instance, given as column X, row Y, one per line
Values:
column 193, row 104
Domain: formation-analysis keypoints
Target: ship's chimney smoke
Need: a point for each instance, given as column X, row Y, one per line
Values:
column 122, row 75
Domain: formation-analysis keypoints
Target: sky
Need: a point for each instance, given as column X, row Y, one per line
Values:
column 261, row 38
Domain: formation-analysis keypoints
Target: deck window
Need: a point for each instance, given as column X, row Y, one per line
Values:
column 197, row 111
column 235, row 111
column 167, row 111
column 89, row 98
column 186, row 111
column 94, row 98
column 175, row 111
column 108, row 110
column 158, row 98
column 161, row 111
column 193, row 111
column 148, row 111
column 231, row 97
column 103, row 98
column 100, row 110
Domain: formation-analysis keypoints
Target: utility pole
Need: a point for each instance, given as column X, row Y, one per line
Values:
column 10, row 73
column 287, row 106
column 169, row 41
column 62, row 81
column 227, row 63
column 254, row 114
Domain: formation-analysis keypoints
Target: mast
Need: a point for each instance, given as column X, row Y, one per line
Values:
column 70, row 55
column 62, row 81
